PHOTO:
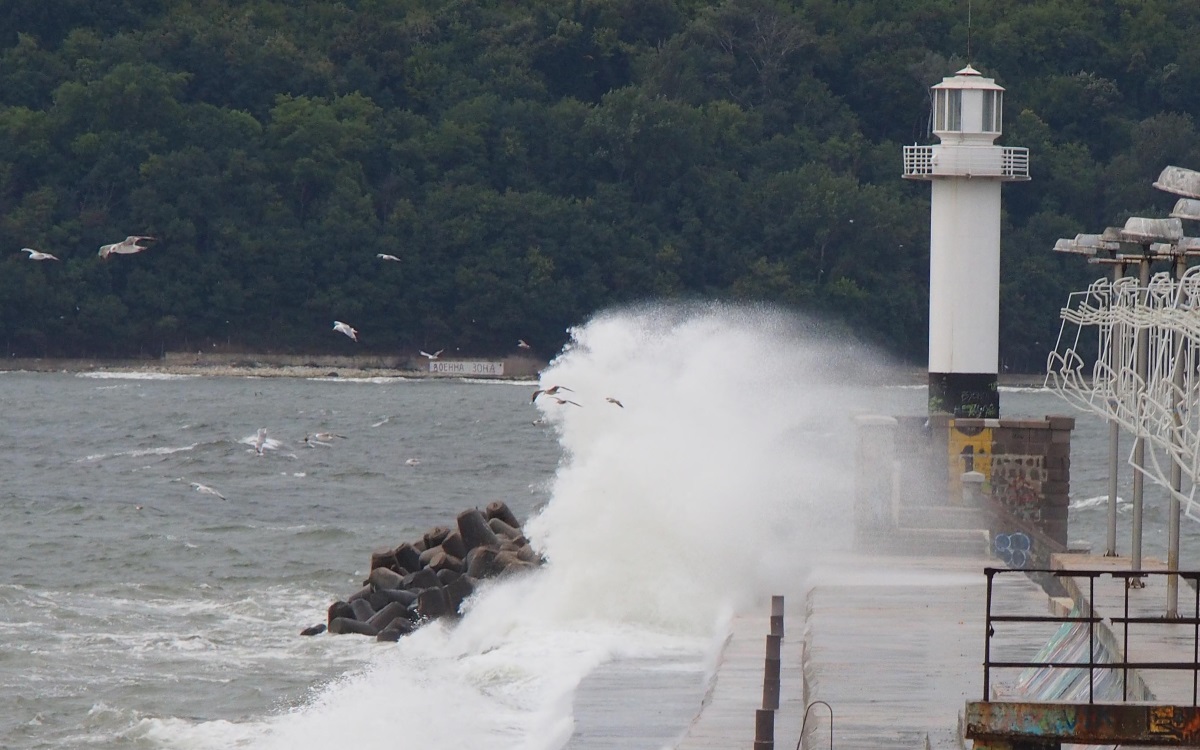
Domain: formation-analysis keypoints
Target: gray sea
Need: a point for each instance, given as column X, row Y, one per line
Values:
column 139, row 612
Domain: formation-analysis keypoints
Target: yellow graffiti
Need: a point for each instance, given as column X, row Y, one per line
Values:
column 968, row 450
column 1162, row 720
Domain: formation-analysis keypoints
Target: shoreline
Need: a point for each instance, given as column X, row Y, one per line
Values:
column 273, row 366
column 320, row 366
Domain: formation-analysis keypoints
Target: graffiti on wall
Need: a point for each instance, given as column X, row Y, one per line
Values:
column 1015, row 549
column 970, row 449
column 1017, row 485
column 1017, row 488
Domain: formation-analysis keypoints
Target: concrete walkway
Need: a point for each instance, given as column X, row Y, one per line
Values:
column 896, row 648
column 894, row 645
column 727, row 715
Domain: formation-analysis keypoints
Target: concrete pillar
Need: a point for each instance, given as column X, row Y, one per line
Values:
column 972, row 484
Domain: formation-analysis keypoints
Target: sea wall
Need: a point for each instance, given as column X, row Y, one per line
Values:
column 514, row 366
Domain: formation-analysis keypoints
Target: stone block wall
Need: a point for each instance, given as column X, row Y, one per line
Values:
column 1029, row 474
column 1026, row 465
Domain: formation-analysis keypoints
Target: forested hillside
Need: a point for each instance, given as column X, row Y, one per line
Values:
column 531, row 162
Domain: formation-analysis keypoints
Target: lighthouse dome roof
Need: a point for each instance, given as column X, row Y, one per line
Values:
column 968, row 78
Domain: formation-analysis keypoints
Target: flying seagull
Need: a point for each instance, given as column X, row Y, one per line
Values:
column 433, row 356
column 612, row 400
column 206, row 489
column 260, row 440
column 561, row 401
column 385, row 256
column 341, row 327
column 521, row 344
column 35, row 255
column 127, row 246
column 548, row 391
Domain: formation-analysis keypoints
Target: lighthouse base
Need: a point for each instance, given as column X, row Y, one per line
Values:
column 964, row 394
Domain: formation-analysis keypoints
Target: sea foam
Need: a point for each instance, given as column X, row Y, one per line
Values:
column 113, row 375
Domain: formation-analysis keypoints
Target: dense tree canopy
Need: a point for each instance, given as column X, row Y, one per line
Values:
column 534, row 161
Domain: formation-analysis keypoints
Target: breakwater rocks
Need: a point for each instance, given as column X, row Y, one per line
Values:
column 430, row 577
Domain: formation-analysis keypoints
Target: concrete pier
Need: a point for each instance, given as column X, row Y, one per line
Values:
column 894, row 646
column 727, row 716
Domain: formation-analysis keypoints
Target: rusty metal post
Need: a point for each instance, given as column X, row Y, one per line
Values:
column 777, row 615
column 1092, row 638
column 764, row 729
column 774, row 647
column 987, row 638
column 772, row 669
column 1125, row 644
column 1196, row 643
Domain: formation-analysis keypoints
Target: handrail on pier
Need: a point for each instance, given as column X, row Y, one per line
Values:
column 1091, row 619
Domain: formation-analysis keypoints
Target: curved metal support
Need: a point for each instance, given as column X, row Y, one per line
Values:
column 805, row 722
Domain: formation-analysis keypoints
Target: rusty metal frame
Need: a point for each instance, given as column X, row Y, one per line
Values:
column 1091, row 619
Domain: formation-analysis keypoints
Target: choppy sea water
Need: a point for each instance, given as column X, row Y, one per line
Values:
column 138, row 612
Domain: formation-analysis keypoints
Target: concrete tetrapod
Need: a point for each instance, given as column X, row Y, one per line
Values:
column 431, row 577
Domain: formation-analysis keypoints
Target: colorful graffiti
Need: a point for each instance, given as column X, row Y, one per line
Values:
column 1015, row 549
column 1178, row 724
column 1017, row 485
column 969, row 449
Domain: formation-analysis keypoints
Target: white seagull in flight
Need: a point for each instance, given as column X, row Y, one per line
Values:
column 548, row 391
column 385, row 256
column 433, row 356
column 35, row 255
column 341, row 327
column 206, row 489
column 127, row 246
column 260, row 441
column 521, row 344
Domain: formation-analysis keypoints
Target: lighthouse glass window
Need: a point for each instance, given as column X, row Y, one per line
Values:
column 948, row 114
column 991, row 111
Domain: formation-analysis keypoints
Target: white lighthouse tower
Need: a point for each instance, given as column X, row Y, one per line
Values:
column 966, row 170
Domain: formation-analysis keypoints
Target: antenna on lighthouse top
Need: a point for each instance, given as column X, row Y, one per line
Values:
column 968, row 32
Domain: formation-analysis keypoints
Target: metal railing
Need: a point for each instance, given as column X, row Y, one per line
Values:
column 1014, row 162
column 1008, row 162
column 1091, row 618
column 918, row 161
